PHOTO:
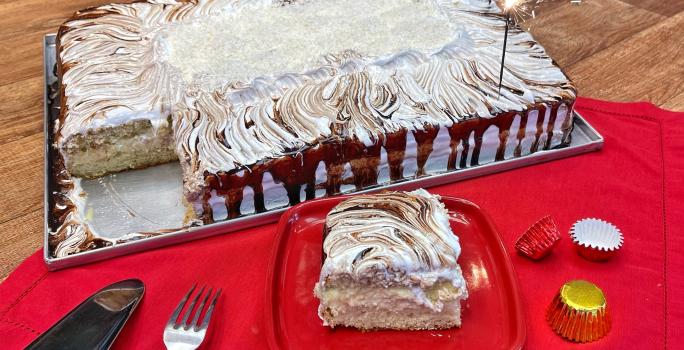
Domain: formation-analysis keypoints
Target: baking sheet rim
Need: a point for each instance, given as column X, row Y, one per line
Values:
column 192, row 233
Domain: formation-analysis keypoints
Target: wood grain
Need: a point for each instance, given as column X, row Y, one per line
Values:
column 21, row 176
column 613, row 49
column 18, row 118
column 596, row 26
column 40, row 16
column 632, row 71
column 23, row 236
column 676, row 103
column 27, row 49
column 664, row 7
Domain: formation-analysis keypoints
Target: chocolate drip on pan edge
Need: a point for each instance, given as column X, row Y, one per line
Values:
column 298, row 172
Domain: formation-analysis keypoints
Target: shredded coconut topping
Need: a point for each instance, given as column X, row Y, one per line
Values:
column 266, row 38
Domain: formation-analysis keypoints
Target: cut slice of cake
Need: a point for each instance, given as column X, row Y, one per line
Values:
column 390, row 262
column 115, row 97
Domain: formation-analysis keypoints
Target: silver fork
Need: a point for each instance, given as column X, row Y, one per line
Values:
column 181, row 335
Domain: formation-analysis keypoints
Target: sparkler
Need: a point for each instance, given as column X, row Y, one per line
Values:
column 508, row 6
column 522, row 10
column 518, row 11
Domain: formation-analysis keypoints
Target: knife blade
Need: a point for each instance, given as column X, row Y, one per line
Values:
column 95, row 323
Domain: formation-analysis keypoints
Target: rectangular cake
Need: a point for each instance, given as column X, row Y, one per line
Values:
column 267, row 103
column 390, row 262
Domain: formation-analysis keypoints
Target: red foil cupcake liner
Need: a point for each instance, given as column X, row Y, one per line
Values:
column 539, row 239
column 595, row 239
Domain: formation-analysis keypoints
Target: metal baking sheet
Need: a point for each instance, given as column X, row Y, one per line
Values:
column 120, row 205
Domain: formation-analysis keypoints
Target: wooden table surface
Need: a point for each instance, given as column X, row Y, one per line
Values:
column 623, row 50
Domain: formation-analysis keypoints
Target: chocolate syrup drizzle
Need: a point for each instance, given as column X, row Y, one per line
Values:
column 299, row 170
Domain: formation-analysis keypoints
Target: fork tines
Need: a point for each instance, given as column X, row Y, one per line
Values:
column 195, row 324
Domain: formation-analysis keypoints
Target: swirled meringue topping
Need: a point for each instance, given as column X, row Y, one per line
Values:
column 402, row 234
column 126, row 62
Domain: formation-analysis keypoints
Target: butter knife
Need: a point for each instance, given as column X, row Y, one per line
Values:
column 95, row 323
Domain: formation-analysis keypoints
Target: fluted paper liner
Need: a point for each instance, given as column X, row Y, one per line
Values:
column 596, row 239
column 579, row 312
column 539, row 239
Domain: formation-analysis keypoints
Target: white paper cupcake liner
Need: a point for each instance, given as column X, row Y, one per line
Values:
column 596, row 239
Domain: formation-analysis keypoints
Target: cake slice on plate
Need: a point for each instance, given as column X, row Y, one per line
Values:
column 390, row 262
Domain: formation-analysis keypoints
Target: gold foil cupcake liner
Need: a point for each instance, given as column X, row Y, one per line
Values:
column 579, row 312
column 596, row 239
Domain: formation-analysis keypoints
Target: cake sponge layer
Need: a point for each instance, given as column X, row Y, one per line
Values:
column 375, row 307
column 133, row 145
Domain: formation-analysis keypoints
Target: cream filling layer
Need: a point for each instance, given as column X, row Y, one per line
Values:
column 432, row 297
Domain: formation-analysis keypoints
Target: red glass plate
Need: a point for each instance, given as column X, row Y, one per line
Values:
column 492, row 315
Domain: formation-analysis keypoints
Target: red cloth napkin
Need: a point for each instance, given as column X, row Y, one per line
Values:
column 635, row 182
